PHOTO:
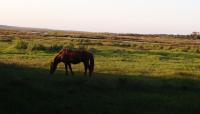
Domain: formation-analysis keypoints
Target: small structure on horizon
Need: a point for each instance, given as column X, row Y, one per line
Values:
column 195, row 34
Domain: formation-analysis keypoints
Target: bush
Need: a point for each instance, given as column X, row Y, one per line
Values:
column 98, row 43
column 84, row 42
column 70, row 46
column 157, row 47
column 186, row 49
column 6, row 39
column 82, row 47
column 133, row 45
column 55, row 47
column 21, row 44
column 36, row 46
column 140, row 47
column 197, row 50
column 122, row 44
column 93, row 50
column 169, row 48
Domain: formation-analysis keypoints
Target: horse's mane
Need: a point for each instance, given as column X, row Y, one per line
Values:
column 61, row 53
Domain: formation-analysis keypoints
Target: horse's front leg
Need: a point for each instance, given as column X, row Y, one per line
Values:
column 66, row 69
column 70, row 68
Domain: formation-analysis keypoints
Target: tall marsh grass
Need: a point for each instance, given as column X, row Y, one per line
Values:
column 32, row 46
column 36, row 46
column 21, row 44
column 55, row 47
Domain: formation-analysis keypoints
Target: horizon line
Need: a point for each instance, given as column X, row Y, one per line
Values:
column 52, row 29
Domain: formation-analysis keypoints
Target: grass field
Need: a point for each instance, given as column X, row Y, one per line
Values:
column 143, row 75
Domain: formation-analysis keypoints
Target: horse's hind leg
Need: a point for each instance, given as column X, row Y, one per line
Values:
column 70, row 69
column 86, row 66
column 90, row 70
column 66, row 69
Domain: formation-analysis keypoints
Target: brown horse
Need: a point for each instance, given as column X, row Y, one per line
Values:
column 69, row 57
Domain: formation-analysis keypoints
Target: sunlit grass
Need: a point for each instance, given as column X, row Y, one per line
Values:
column 158, row 60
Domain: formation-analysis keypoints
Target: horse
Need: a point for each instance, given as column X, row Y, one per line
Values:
column 69, row 57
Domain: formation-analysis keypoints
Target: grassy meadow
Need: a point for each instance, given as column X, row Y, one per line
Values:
column 144, row 74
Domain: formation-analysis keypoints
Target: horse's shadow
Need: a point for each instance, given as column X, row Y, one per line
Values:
column 98, row 80
column 32, row 90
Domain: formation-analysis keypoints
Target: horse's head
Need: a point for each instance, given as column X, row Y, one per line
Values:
column 53, row 65
column 59, row 58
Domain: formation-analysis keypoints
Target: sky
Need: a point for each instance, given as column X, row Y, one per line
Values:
column 120, row 16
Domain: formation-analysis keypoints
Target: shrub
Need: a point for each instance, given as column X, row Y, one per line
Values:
column 122, row 44
column 70, row 46
column 21, row 44
column 169, row 47
column 197, row 51
column 158, row 47
column 98, row 43
column 55, row 47
column 186, row 49
column 84, row 42
column 36, row 46
column 125, row 44
column 93, row 50
column 133, row 45
column 6, row 39
column 82, row 47
column 140, row 47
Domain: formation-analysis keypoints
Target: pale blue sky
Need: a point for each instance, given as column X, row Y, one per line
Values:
column 124, row 16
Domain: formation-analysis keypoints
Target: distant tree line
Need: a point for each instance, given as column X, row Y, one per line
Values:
column 90, row 35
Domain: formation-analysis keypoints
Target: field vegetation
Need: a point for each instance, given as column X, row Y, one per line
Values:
column 133, row 73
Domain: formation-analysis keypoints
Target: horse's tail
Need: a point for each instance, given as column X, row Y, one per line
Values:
column 91, row 65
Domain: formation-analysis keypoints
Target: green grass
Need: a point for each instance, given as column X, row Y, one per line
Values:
column 122, row 60
column 143, row 78
column 31, row 90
